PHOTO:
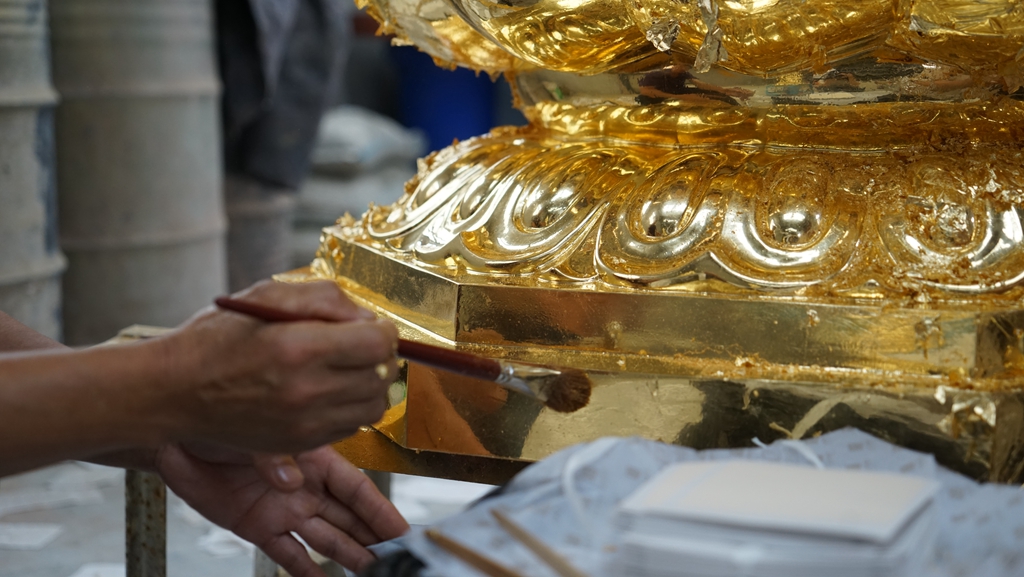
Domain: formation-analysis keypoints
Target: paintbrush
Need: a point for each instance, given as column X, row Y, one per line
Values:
column 470, row 557
column 564, row 390
column 539, row 548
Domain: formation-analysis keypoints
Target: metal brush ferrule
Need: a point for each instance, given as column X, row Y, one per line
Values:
column 525, row 379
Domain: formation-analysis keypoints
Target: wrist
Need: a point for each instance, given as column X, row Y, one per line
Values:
column 142, row 395
column 164, row 404
column 80, row 404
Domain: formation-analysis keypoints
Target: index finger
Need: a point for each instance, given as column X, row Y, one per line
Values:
column 319, row 299
column 355, row 490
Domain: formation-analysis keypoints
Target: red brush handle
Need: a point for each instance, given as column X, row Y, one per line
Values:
column 440, row 358
column 465, row 364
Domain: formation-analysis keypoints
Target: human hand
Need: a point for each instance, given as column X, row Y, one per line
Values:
column 278, row 387
column 337, row 510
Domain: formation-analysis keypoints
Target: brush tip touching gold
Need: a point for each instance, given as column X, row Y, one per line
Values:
column 569, row 391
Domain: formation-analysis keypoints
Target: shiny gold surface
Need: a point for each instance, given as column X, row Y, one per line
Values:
column 768, row 38
column 694, row 334
column 861, row 106
column 369, row 449
column 742, row 218
column 948, row 385
column 592, row 35
column 919, row 224
column 435, row 29
column 983, row 37
column 975, row 433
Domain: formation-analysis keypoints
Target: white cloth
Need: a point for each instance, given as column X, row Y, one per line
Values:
column 980, row 526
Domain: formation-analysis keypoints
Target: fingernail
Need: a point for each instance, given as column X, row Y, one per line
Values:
column 288, row 474
column 365, row 314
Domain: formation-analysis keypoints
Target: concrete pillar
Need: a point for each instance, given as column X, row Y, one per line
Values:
column 30, row 260
column 139, row 162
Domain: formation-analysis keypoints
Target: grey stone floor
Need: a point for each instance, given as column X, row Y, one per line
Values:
column 87, row 503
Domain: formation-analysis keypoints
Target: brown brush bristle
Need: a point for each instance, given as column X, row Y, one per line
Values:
column 569, row 391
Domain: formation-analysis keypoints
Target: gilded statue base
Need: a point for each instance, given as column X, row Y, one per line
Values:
column 704, row 363
column 744, row 220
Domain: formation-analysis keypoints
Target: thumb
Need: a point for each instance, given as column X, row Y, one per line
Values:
column 279, row 471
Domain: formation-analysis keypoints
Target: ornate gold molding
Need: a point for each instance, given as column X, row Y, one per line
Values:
column 911, row 225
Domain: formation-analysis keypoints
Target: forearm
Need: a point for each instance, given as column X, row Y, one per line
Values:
column 61, row 405
column 222, row 378
column 15, row 336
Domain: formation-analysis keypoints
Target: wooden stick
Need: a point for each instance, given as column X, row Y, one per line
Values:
column 549, row 555
column 469, row 556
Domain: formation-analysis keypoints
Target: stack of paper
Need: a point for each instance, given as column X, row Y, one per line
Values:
column 760, row 519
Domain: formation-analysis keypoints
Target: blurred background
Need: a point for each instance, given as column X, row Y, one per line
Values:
column 157, row 153
column 393, row 105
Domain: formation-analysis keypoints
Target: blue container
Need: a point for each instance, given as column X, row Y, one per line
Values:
column 445, row 104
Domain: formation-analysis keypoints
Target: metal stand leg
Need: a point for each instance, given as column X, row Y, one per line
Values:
column 263, row 566
column 145, row 499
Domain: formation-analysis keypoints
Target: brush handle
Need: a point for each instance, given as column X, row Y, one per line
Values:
column 483, row 564
column 465, row 364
